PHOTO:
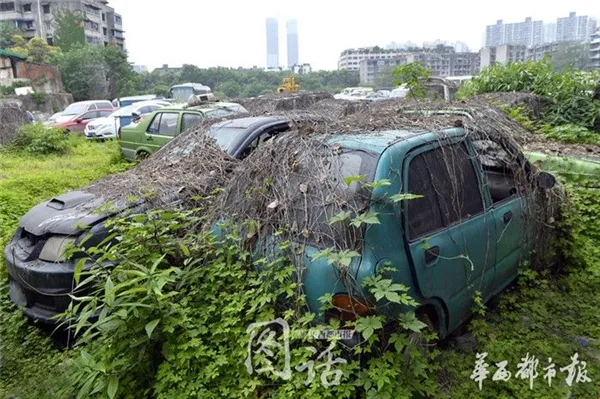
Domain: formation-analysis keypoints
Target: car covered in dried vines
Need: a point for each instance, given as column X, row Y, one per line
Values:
column 452, row 213
column 41, row 274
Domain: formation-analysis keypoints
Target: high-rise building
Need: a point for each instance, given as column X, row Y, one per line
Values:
column 595, row 51
column 575, row 28
column 527, row 33
column 272, row 43
column 292, row 43
column 550, row 32
column 102, row 25
column 502, row 54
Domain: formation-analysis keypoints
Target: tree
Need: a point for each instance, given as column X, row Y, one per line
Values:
column 411, row 76
column 231, row 89
column 68, row 28
column 84, row 73
column 571, row 56
column 119, row 72
column 7, row 31
column 36, row 50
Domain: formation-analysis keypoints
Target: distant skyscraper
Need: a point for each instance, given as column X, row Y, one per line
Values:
column 527, row 33
column 292, row 43
column 272, row 43
column 575, row 28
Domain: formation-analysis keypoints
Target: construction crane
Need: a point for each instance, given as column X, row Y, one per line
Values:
column 289, row 86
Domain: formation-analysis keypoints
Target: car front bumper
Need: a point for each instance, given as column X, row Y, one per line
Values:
column 40, row 288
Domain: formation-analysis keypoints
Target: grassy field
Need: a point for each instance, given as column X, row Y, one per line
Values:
column 543, row 316
column 30, row 365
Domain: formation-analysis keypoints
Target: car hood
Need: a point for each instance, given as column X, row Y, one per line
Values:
column 69, row 214
column 105, row 121
column 62, row 119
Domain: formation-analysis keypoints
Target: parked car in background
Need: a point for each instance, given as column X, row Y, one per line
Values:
column 399, row 92
column 78, row 108
column 107, row 127
column 182, row 93
column 155, row 130
column 41, row 277
column 378, row 96
column 78, row 123
column 126, row 101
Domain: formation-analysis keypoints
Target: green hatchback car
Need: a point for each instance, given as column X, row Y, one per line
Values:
column 138, row 140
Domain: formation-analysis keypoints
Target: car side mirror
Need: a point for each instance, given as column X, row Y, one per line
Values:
column 78, row 120
column 546, row 180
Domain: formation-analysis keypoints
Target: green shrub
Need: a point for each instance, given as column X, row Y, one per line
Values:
column 174, row 318
column 569, row 92
column 39, row 98
column 571, row 134
column 38, row 139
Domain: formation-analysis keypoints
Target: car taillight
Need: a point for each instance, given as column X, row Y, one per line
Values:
column 349, row 308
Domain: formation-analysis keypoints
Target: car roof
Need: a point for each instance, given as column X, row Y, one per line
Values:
column 250, row 122
column 378, row 141
column 207, row 105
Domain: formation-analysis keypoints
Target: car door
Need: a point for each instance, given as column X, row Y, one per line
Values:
column 509, row 206
column 82, row 121
column 451, row 236
column 162, row 129
column 189, row 120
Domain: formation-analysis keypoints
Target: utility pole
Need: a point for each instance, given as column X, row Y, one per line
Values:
column 41, row 22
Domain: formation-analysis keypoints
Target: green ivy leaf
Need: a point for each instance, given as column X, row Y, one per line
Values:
column 340, row 217
column 410, row 322
column 151, row 326
column 113, row 386
column 366, row 218
column 353, row 179
column 380, row 183
column 368, row 325
column 404, row 197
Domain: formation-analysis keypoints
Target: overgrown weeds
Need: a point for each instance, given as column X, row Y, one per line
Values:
column 38, row 139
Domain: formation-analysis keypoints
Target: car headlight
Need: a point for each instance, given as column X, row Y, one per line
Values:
column 54, row 249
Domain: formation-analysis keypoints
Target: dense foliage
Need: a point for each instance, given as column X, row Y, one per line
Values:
column 35, row 138
column 232, row 83
column 411, row 76
column 569, row 93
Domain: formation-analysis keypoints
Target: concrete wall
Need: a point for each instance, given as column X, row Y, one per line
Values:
column 52, row 103
column 44, row 78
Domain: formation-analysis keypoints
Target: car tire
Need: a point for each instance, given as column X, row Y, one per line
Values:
column 140, row 156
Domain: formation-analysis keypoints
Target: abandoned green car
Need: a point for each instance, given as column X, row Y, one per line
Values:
column 452, row 218
column 138, row 140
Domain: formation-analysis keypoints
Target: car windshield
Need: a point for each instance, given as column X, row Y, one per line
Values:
column 220, row 112
column 225, row 136
column 75, row 109
column 321, row 208
column 182, row 93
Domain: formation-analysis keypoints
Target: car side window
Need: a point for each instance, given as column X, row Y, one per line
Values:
column 102, row 114
column 424, row 214
column 447, row 180
column 89, row 115
column 459, row 188
column 155, row 125
column 499, row 168
column 189, row 120
column 168, row 124
column 92, row 107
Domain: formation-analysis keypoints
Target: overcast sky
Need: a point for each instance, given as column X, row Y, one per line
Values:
column 232, row 33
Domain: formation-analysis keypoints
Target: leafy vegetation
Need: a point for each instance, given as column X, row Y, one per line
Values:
column 412, row 75
column 30, row 364
column 35, row 138
column 569, row 92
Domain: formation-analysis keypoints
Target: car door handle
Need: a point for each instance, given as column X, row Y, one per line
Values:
column 432, row 254
column 149, row 138
column 507, row 217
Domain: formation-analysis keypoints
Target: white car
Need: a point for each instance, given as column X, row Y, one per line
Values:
column 107, row 127
column 77, row 108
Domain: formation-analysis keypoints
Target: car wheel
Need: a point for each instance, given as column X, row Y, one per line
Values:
column 140, row 156
column 418, row 339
